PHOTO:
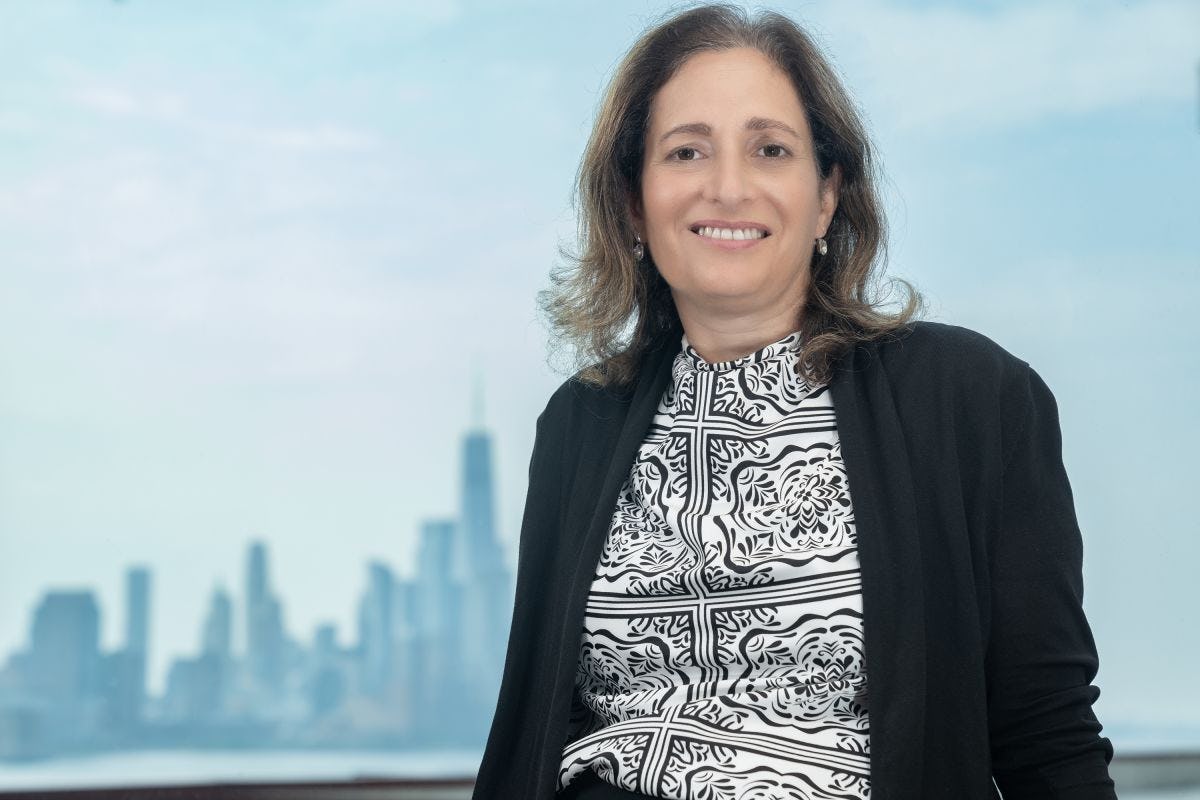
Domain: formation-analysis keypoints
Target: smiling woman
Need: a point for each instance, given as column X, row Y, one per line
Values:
column 758, row 109
column 247, row 253
column 733, row 160
column 778, row 541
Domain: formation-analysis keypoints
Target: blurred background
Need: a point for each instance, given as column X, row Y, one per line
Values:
column 270, row 355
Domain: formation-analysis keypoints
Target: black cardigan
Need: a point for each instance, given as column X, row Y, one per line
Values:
column 979, row 658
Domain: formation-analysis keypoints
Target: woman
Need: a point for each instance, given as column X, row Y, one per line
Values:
column 778, row 542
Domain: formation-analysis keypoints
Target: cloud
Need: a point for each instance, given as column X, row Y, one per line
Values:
column 18, row 122
column 409, row 19
column 316, row 138
column 108, row 101
column 174, row 110
column 940, row 69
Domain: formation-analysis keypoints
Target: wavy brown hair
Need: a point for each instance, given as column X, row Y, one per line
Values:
column 612, row 308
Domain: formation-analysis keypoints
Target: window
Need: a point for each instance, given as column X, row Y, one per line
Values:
column 270, row 359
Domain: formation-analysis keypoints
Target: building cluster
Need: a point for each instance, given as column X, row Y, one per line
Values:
column 422, row 669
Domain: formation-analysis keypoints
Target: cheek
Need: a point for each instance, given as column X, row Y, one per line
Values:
column 663, row 201
column 658, row 211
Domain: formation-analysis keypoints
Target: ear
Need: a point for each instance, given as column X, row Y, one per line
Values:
column 636, row 214
column 831, row 189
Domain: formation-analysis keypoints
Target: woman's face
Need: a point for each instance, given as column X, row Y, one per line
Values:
column 728, row 153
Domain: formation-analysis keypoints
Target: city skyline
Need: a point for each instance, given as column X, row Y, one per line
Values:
column 248, row 278
column 421, row 667
column 113, row 632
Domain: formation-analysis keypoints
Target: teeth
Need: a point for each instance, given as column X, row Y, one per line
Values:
column 731, row 233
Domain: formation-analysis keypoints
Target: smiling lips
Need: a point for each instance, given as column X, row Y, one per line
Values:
column 730, row 235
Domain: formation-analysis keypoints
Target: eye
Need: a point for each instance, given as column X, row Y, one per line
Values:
column 684, row 154
column 774, row 151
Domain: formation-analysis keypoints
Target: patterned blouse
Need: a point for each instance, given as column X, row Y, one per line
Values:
column 722, row 650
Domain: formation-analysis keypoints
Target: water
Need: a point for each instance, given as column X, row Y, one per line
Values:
column 175, row 767
column 181, row 767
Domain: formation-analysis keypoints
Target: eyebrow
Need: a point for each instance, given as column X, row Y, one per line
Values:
column 752, row 124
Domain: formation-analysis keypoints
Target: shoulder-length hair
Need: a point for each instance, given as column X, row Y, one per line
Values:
column 611, row 308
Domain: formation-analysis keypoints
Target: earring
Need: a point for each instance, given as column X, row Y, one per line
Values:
column 639, row 249
column 822, row 247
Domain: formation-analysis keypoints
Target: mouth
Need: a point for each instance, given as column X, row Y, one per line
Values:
column 730, row 231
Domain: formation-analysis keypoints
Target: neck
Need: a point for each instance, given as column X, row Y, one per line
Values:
column 729, row 337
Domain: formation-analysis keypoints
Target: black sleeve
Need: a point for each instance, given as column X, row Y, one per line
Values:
column 1041, row 660
column 513, row 744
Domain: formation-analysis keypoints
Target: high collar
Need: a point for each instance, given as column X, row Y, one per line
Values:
column 784, row 348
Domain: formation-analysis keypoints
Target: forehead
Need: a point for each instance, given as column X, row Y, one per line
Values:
column 726, row 87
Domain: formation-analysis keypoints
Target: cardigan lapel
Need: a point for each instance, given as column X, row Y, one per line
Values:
column 889, row 549
column 652, row 381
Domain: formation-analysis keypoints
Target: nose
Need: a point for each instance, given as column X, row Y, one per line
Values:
column 729, row 181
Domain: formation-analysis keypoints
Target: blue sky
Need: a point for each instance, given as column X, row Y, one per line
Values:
column 252, row 254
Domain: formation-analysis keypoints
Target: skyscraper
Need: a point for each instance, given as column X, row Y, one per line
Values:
column 137, row 630
column 482, row 571
column 437, row 589
column 64, row 657
column 439, row 702
column 195, row 689
column 481, row 547
column 264, row 623
column 326, row 681
column 217, row 637
column 122, row 680
column 376, row 629
column 256, row 587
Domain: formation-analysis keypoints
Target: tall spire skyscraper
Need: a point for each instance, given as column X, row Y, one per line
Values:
column 482, row 569
column 481, row 547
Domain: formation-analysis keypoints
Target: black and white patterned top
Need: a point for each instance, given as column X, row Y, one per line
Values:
column 722, row 650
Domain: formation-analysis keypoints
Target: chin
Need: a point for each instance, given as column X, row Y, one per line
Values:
column 733, row 284
column 731, row 294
